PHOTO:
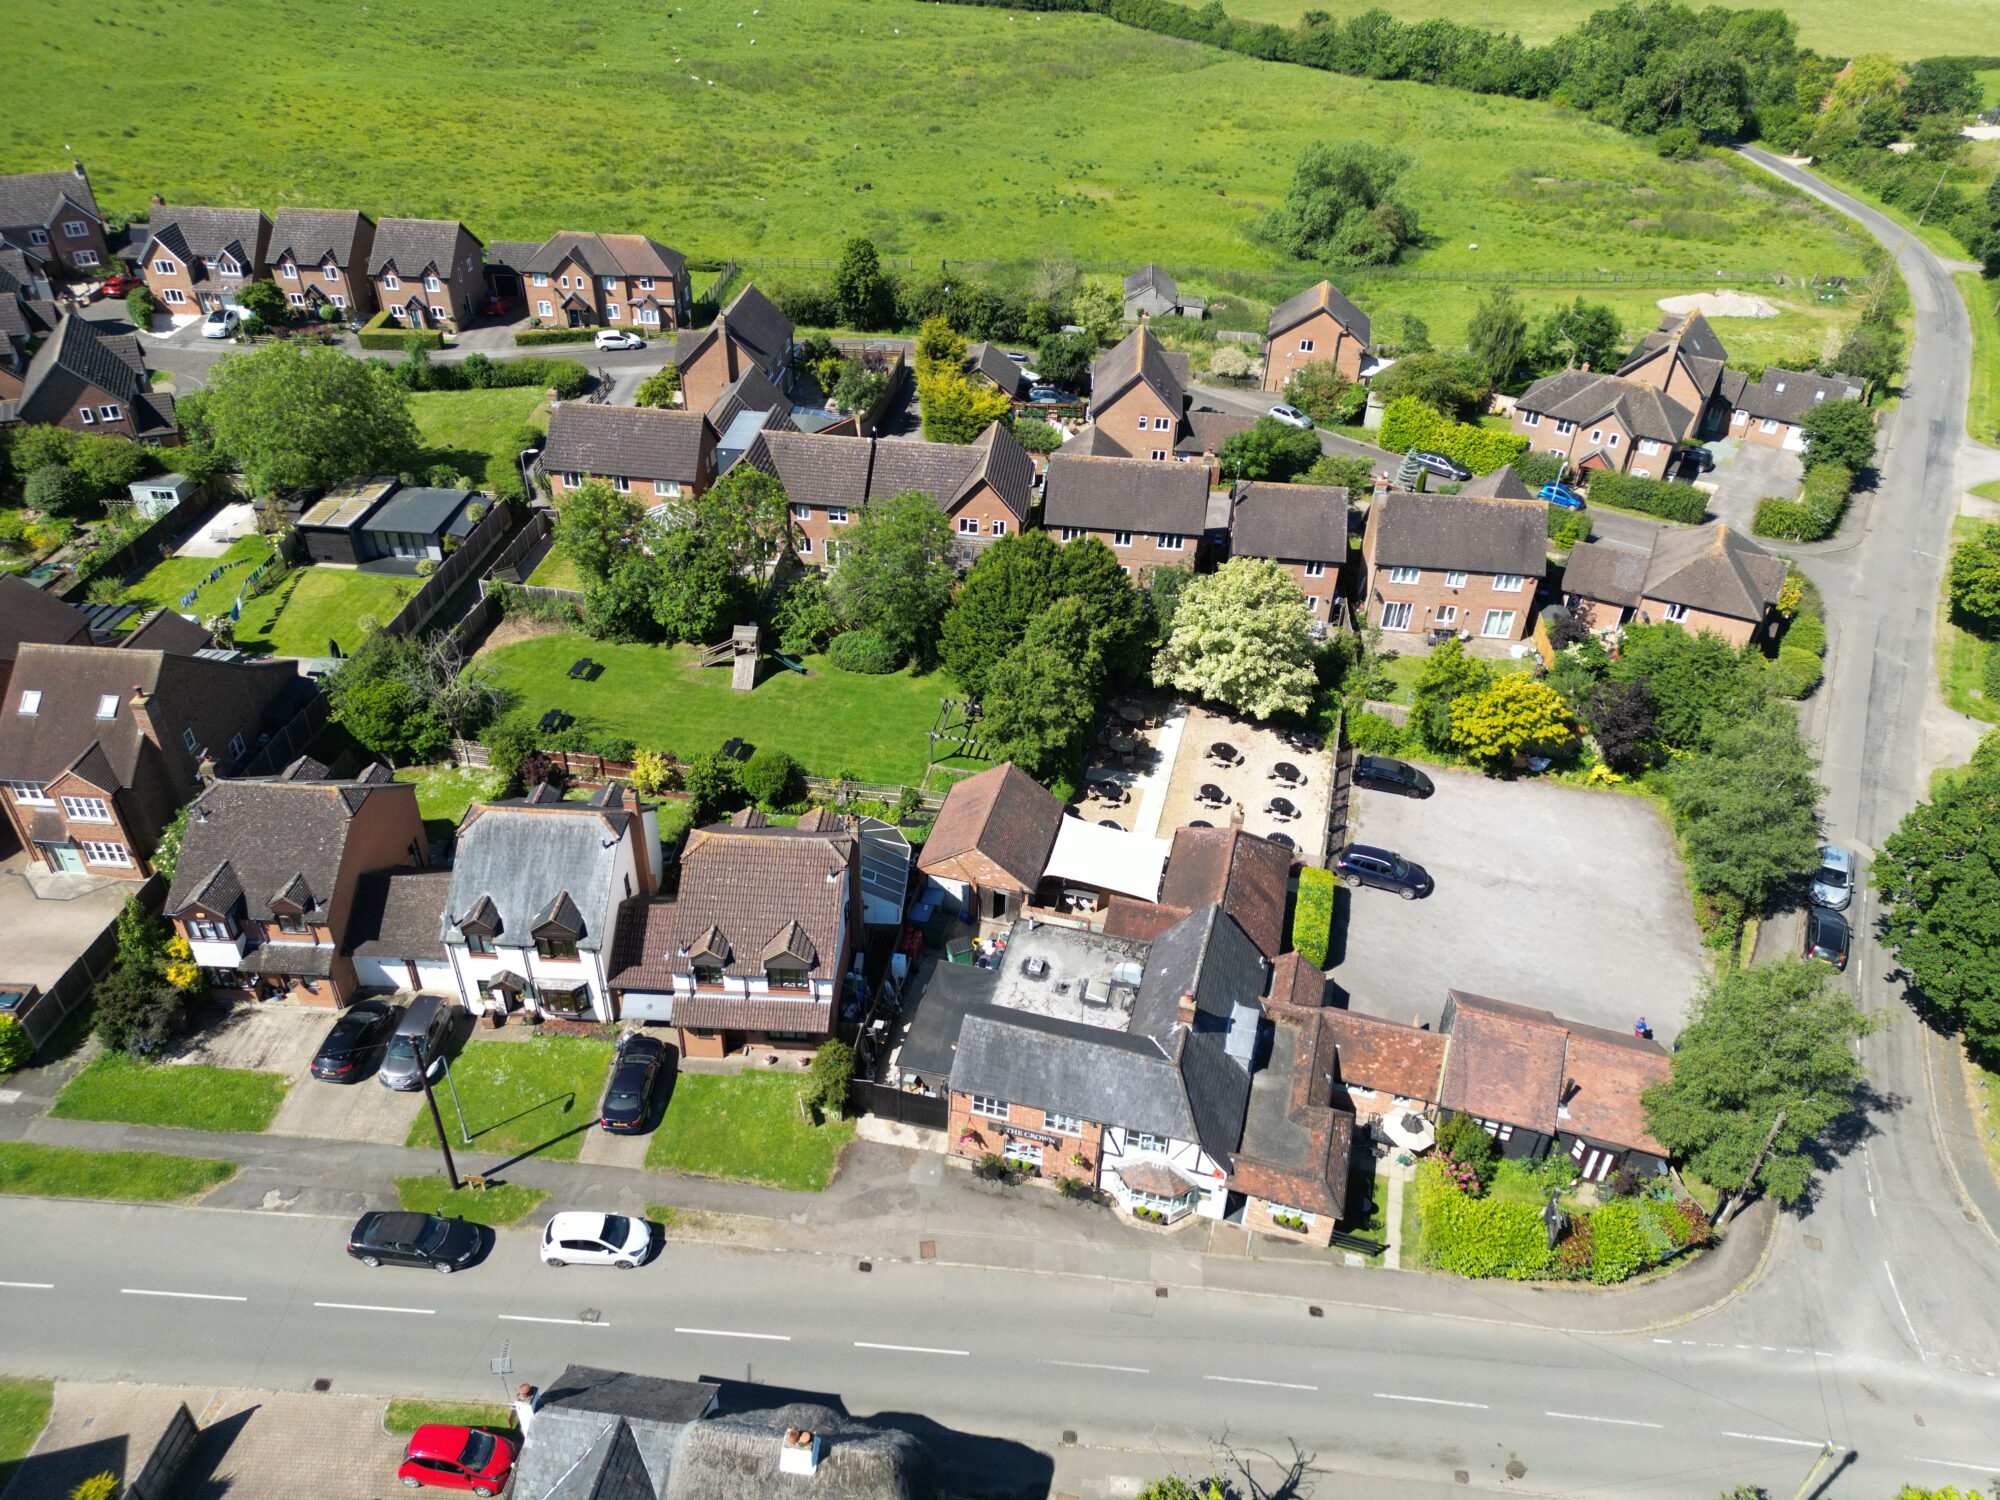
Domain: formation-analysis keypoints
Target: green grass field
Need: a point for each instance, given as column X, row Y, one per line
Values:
column 536, row 1095
column 461, row 428
column 498, row 1205
column 166, row 583
column 297, row 618
column 1404, row 671
column 747, row 1127
column 872, row 727
column 939, row 130
column 31, row 1171
column 556, row 571
column 1961, row 655
column 1982, row 301
column 405, row 1416
column 444, row 793
column 24, row 1412
column 189, row 1096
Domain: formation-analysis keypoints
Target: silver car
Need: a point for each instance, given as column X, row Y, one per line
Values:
column 1833, row 882
column 427, row 1021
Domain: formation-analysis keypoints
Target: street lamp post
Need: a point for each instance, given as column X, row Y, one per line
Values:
column 424, row 1077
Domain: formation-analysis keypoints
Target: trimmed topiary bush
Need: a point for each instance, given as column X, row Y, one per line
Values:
column 1807, row 632
column 1312, row 917
column 771, row 776
column 528, row 337
column 1619, row 1244
column 1795, row 673
column 384, row 332
column 862, row 651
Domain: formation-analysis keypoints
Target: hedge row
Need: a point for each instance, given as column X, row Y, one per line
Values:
column 531, row 336
column 1477, row 1236
column 1408, row 423
column 1815, row 515
column 383, row 332
column 1312, row 917
column 1799, row 666
column 1652, row 497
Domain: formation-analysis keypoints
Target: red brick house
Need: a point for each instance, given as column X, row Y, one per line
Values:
column 1300, row 527
column 577, row 280
column 428, row 273
column 268, row 873
column 1453, row 562
column 101, row 745
column 90, row 380
column 27, row 316
column 53, row 216
column 1383, row 1066
column 1603, row 422
column 1150, row 514
column 1705, row 579
column 749, row 334
column 1138, row 395
column 199, row 259
column 1769, row 410
column 320, row 255
column 651, row 453
column 1684, row 360
column 991, row 843
column 1317, row 326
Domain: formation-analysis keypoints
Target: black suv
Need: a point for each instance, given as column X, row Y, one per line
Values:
column 1826, row 936
column 1364, row 864
column 1380, row 773
column 355, row 1044
column 407, row 1239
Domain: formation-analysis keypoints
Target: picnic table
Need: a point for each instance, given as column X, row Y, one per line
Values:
column 1288, row 773
column 553, row 721
column 1211, row 794
column 585, row 669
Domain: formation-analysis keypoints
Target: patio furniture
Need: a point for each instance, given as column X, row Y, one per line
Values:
column 1223, row 753
column 1124, row 744
column 1131, row 713
column 734, row 749
column 1282, row 840
column 1211, row 795
column 1200, row 823
column 1108, row 791
column 554, row 721
column 1281, row 808
column 1287, row 773
column 585, row 670
column 1109, row 823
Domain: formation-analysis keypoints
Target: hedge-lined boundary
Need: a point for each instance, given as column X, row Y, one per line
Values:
column 1408, row 423
column 383, row 332
column 528, row 337
column 1650, row 497
column 1815, row 515
column 1312, row 917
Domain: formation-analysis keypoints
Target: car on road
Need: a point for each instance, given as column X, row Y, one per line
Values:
column 117, row 286
column 1291, row 416
column 1017, row 356
column 1833, row 882
column 444, row 1457
column 413, row 1239
column 1382, row 774
column 618, row 338
column 495, row 304
column 1701, row 458
column 1562, row 495
column 636, row 1063
column 1048, row 395
column 426, row 1024
column 1438, row 464
column 575, row 1238
column 221, row 323
column 1826, row 936
column 1364, row 864
column 357, row 1041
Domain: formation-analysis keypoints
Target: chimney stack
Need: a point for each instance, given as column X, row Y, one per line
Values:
column 142, row 715
column 1184, row 1012
column 158, row 201
column 1584, row 367
column 800, row 1452
column 77, row 168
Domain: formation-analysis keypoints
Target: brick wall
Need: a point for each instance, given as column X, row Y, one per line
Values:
column 1257, row 1216
column 1284, row 356
column 992, row 1139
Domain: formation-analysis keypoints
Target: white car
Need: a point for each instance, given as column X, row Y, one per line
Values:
column 576, row 1238
column 1291, row 416
column 222, row 323
column 618, row 338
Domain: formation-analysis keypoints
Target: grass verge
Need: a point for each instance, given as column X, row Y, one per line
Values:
column 496, row 1206
column 189, row 1096
column 405, row 1416
column 1984, row 1088
column 24, row 1411
column 1962, row 657
column 32, row 1171
column 538, row 1096
column 1982, row 302
column 746, row 1127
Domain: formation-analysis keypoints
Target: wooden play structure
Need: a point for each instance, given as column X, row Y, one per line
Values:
column 740, row 652
column 956, row 729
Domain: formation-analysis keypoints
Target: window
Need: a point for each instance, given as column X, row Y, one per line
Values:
column 291, row 922
column 478, row 942
column 1121, row 538
column 611, row 314
column 1498, row 1131
column 802, row 512
column 805, row 546
column 650, row 316
column 1283, row 1211
column 189, row 741
column 229, row 267
column 291, row 271
column 1819, row 395
column 1779, row 388
column 31, row 702
column 1161, row 424
column 1406, row 575
column 29, row 793
column 1499, row 623
column 1740, row 418
column 38, row 236
column 1023, row 1153
column 1145, row 422
column 106, row 854
column 75, row 229
column 832, row 552
column 563, row 282
column 1159, row 455
column 89, row 419
column 610, row 283
column 330, row 272
column 1071, row 533
column 107, row 705
column 1446, row 614
column 1769, row 424
column 556, row 947
column 1312, row 604
column 339, row 301
column 1315, row 570
column 164, row 267
column 1531, row 419
column 968, row 526
column 1140, row 1140
column 836, row 516
column 1396, row 614
column 236, row 747
column 1508, row 583
column 998, row 528
column 87, row 809
column 211, row 932
column 1564, row 427
column 1305, row 346
column 173, row 296
column 1062, row 1124
column 1454, row 579
column 621, row 484
column 668, row 488
column 645, row 283
column 391, row 284
column 439, row 314
column 1648, row 446
column 1612, row 441
column 1675, row 613
column 1597, row 434
column 298, row 299
column 992, row 1109
column 83, row 258
column 1170, row 541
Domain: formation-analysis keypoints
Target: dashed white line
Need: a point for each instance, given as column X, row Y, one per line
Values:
column 1665, row 1341
column 1905, row 1312
column 1945, row 1463
column 30, row 1286
column 730, row 1333
column 135, row 1291
column 421, row 1312
column 1573, row 1416
column 913, row 1349
column 1078, row 1364
column 1758, row 1437
column 566, row 1322
column 1431, row 1401
column 1282, row 1385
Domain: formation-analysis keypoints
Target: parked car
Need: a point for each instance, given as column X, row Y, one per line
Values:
column 1833, row 883
column 426, row 1022
column 1364, row 864
column 1048, row 395
column 1382, row 774
column 618, row 338
column 495, row 304
column 1291, row 416
column 585, row 1239
column 628, row 1088
column 410, row 1239
column 1017, row 356
column 221, row 323
column 1562, row 495
column 1438, row 464
column 1701, row 458
column 1826, row 936
column 442, row 1457
column 117, row 286
column 358, row 1039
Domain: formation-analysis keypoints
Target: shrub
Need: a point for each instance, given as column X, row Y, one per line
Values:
column 1619, row 1242
column 654, row 773
column 529, row 337
column 1807, row 632
column 426, row 566
column 508, row 743
column 1407, row 423
column 1989, row 677
column 1795, row 673
column 55, row 490
column 15, row 1046
column 383, row 332
column 565, row 376
column 771, row 776
column 1817, row 512
column 1537, row 469
column 1037, row 436
column 714, row 786
column 1479, row 1236
column 1566, row 528
column 1465, row 1141
column 827, row 1080
column 1785, row 520
column 1373, row 734
column 103, row 1486
column 1652, row 497
column 862, row 651
column 1683, row 1220
column 1312, row 917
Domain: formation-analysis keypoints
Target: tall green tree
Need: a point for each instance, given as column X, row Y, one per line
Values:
column 697, row 590
column 1121, row 625
column 805, row 619
column 896, row 573
column 295, row 415
column 1447, row 675
column 1042, row 695
column 596, row 527
column 1510, row 715
column 864, row 297
column 1454, row 384
column 939, row 347
column 1839, row 432
column 1342, row 206
column 1939, row 875
column 1064, row 359
column 1973, row 582
column 1582, row 333
column 1242, row 637
column 747, row 514
column 1269, row 450
column 1763, row 1071
column 1700, row 683
column 1497, row 336
column 266, row 303
column 1013, row 581
column 1748, row 808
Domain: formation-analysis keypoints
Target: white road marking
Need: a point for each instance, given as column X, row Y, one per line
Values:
column 1431, row 1401
column 1758, row 1437
column 729, row 1333
column 1078, row 1364
column 1572, row 1416
column 422, row 1312
column 1283, row 1385
column 1945, row 1463
column 1905, row 1312
column 134, row 1291
column 1664, row 1341
column 566, row 1322
column 913, row 1349
column 31, row 1286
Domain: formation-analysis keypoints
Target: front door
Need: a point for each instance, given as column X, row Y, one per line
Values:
column 64, row 858
column 575, row 318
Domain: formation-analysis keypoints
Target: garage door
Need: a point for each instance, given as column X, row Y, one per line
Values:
column 1795, row 440
column 381, row 973
column 437, row 978
column 646, row 1005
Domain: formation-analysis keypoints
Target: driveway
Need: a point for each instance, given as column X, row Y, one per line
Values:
column 358, row 1111
column 1547, row 895
column 1745, row 473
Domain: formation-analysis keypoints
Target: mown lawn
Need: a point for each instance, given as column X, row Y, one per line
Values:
column 834, row 721
column 1961, row 655
column 556, row 571
column 445, row 792
column 32, row 1171
column 465, row 428
column 297, row 618
column 24, row 1412
column 190, row 1096
column 494, row 1205
column 1986, row 1111
column 167, row 582
column 405, row 1416
column 746, row 1127
column 1404, row 671
column 1982, row 301
column 537, row 1095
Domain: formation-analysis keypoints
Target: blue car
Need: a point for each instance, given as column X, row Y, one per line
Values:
column 1048, row 395
column 1562, row 495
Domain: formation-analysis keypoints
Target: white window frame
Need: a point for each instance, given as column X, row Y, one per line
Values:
column 1499, row 624
column 106, row 852
column 621, row 483
column 29, row 793
column 204, row 931
column 1022, row 1153
column 1406, row 575
column 1145, row 423
column 542, row 309
column 38, row 236
column 1611, row 441
column 1306, row 346
column 1564, row 427
column 298, row 299
column 1072, row 533
column 339, row 301
column 330, row 272
column 1531, row 419
column 291, row 271
column 1454, row 579
column 1315, row 570
column 1121, row 538
column 667, row 489
column 968, row 526
column 1674, row 614
column 801, row 512
column 173, row 296
column 1497, row 1129
column 165, row 267
column 611, row 313
column 189, row 742
column 432, row 284
column 1170, row 541
column 610, row 283
column 1062, row 1124
column 986, row 1107
column 390, row 283
column 1162, row 424
column 1509, row 583
column 805, row 546
column 645, row 283
column 84, row 414
column 1447, row 614
column 836, row 515
column 236, row 747
column 1159, row 455
column 75, row 229
column 1649, row 446
column 87, row 810
column 998, row 528
column 1145, row 1140
column 1397, row 613
column 1769, row 424
column 540, row 278
column 83, row 258
column 1597, row 434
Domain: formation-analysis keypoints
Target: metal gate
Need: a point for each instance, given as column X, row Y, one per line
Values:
column 932, row 1111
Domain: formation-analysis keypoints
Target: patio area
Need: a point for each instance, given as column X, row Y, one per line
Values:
column 1272, row 782
column 1125, row 776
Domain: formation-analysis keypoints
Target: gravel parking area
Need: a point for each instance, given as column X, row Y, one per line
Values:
column 1547, row 895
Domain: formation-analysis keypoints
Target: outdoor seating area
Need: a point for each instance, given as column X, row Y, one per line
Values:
column 1276, row 783
column 586, row 670
column 1124, row 777
column 554, row 721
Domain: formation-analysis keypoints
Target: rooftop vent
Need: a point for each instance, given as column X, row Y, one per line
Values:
column 1035, row 968
column 1096, row 994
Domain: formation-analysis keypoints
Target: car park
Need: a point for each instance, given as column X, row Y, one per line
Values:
column 1833, row 881
column 221, row 323
column 356, row 1042
column 618, row 338
column 412, row 1239
column 1438, row 464
column 575, row 1238
column 1364, row 864
column 1826, row 936
column 425, row 1025
column 636, row 1064
column 441, row 1456
column 1563, row 496
column 1291, row 416
column 1383, row 774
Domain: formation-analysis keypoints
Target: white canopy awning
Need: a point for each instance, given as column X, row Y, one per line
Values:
column 1107, row 859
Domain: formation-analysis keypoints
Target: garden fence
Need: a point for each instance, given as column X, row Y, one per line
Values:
column 290, row 742
column 525, row 541
column 843, row 792
column 931, row 1111
column 441, row 585
column 148, row 546
column 45, row 1017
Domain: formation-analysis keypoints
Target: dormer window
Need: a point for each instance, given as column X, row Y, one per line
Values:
column 291, row 921
column 709, row 975
column 787, row 979
column 556, row 946
column 31, row 703
column 330, row 271
column 211, row 930
column 228, row 266
column 478, row 942
column 291, row 272
column 107, row 706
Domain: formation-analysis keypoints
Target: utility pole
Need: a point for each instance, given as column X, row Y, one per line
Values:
column 1934, row 192
column 424, row 1076
column 1743, row 1192
column 1805, row 1486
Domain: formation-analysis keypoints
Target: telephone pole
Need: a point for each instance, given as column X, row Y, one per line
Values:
column 437, row 1120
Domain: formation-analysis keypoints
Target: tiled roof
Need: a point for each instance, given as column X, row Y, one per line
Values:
column 1295, row 522
column 411, row 246
column 850, row 472
column 196, row 234
column 510, row 255
column 310, row 236
column 1125, row 494
column 1325, row 297
column 751, row 391
column 1296, row 1144
column 1697, row 337
column 396, row 914
column 1386, row 1056
column 519, row 856
column 1455, row 532
column 1504, row 1062
column 1502, row 484
column 1787, row 395
column 1245, row 875
column 815, row 470
column 1001, row 815
column 1140, row 356
column 991, row 361
column 31, row 198
column 29, row 615
column 608, row 255
column 82, row 356
column 1611, row 571
column 1580, row 397
column 1714, row 569
column 1156, row 1178
column 754, row 321
column 1150, row 278
column 632, row 442
column 1607, row 1073
column 1204, row 431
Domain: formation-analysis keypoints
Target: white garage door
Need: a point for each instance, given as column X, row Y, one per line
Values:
column 437, row 978
column 1795, row 440
column 383, row 973
column 646, row 1005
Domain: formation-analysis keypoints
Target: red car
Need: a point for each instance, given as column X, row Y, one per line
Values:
column 117, row 286
column 495, row 304
column 457, row 1458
